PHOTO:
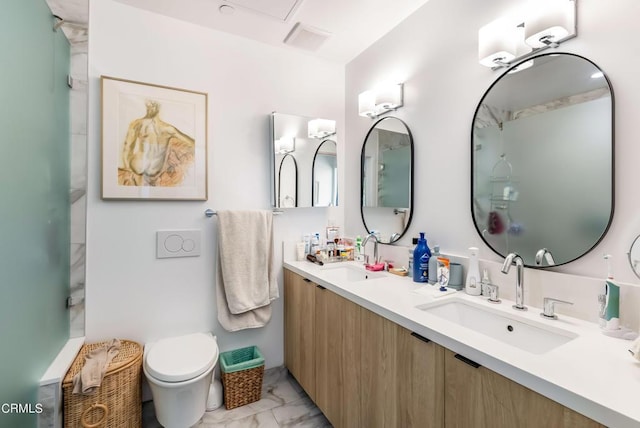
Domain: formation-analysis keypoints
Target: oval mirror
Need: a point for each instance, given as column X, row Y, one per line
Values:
column 542, row 160
column 386, row 174
column 324, row 190
column 634, row 256
column 288, row 182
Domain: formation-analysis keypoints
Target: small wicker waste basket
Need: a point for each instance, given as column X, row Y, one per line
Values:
column 118, row 401
column 242, row 371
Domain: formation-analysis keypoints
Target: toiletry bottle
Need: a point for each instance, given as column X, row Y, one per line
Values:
column 421, row 256
column 358, row 249
column 433, row 265
column 485, row 283
column 410, row 264
column 306, row 238
column 315, row 243
column 610, row 301
column 472, row 285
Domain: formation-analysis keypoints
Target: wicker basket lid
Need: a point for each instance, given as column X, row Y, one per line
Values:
column 181, row 358
column 129, row 352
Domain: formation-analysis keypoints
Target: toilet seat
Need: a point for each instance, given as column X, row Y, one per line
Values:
column 178, row 359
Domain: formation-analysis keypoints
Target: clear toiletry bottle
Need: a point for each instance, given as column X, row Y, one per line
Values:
column 421, row 256
column 315, row 244
column 472, row 285
column 410, row 264
column 433, row 264
column 306, row 238
column 485, row 283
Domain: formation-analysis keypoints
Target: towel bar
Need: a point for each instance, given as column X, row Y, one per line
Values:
column 210, row 213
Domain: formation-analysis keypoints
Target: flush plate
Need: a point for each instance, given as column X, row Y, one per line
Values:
column 177, row 243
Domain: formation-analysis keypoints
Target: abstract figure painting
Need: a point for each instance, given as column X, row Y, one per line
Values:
column 154, row 142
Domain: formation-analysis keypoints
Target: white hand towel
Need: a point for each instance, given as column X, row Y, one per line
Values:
column 251, row 319
column 245, row 248
column 96, row 362
column 246, row 279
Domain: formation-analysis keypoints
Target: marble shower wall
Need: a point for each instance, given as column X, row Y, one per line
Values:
column 78, row 189
column 75, row 17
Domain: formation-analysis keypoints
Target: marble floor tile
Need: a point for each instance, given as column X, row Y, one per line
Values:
column 222, row 414
column 258, row 420
column 283, row 404
column 301, row 413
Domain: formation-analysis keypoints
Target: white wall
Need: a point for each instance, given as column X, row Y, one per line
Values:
column 434, row 52
column 131, row 294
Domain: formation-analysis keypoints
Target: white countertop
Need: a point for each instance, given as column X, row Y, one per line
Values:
column 592, row 374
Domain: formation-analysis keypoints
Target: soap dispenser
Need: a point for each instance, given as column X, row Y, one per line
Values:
column 472, row 285
column 609, row 301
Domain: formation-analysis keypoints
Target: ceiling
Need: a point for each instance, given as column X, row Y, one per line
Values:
column 351, row 25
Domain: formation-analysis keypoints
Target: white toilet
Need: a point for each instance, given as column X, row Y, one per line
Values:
column 179, row 371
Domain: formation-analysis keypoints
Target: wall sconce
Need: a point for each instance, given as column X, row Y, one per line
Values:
column 374, row 103
column 321, row 128
column 285, row 145
column 546, row 23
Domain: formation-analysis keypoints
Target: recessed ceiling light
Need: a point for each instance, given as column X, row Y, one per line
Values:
column 597, row 75
column 225, row 9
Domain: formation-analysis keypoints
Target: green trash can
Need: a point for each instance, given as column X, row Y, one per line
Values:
column 242, row 371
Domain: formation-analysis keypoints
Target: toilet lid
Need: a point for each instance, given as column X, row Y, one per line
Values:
column 177, row 359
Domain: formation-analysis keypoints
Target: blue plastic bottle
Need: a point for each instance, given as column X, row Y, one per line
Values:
column 421, row 255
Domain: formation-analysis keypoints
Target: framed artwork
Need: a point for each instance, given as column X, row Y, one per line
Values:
column 154, row 141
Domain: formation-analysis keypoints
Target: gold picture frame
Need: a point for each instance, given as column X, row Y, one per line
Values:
column 154, row 141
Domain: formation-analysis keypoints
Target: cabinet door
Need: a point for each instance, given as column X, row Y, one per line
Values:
column 337, row 358
column 379, row 366
column 463, row 399
column 420, row 383
column 299, row 329
column 476, row 396
column 508, row 403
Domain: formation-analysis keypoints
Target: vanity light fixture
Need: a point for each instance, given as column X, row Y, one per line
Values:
column 285, row 145
column 321, row 128
column 374, row 103
column 543, row 24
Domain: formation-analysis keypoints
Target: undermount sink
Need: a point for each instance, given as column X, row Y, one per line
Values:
column 522, row 333
column 351, row 273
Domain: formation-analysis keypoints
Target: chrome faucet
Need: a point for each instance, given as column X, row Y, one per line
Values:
column 375, row 246
column 543, row 252
column 514, row 259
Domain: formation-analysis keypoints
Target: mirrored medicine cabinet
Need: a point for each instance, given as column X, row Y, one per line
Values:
column 542, row 160
column 304, row 167
column 386, row 179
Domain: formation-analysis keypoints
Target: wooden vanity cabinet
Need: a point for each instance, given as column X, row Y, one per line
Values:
column 402, row 376
column 337, row 363
column 420, row 381
column 359, row 368
column 476, row 396
column 322, row 347
column 363, row 370
column 300, row 330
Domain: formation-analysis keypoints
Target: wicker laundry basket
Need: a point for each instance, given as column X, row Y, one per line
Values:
column 242, row 371
column 118, row 401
